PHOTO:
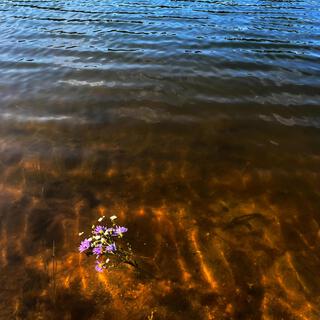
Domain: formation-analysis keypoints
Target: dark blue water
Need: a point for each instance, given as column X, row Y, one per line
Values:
column 174, row 52
column 196, row 122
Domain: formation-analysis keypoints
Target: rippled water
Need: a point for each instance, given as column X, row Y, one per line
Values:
column 195, row 122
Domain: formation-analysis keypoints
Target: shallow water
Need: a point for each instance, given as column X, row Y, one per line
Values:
column 195, row 122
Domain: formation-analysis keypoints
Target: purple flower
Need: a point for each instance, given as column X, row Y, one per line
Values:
column 111, row 248
column 97, row 250
column 84, row 245
column 118, row 231
column 99, row 266
column 98, row 229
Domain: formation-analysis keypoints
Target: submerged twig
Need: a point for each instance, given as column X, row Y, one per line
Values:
column 53, row 273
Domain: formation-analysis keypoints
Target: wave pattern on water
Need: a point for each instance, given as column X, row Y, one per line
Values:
column 196, row 122
column 221, row 241
column 181, row 51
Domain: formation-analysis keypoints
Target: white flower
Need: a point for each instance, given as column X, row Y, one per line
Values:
column 81, row 233
column 107, row 260
column 113, row 218
column 100, row 219
column 96, row 237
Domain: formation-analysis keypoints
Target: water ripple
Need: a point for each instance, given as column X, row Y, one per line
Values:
column 184, row 44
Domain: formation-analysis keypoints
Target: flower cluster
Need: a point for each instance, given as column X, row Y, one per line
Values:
column 105, row 244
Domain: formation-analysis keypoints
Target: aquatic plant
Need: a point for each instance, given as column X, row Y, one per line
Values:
column 106, row 244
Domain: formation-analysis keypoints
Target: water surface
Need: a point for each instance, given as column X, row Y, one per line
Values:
column 195, row 122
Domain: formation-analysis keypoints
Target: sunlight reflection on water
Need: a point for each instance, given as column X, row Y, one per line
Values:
column 195, row 122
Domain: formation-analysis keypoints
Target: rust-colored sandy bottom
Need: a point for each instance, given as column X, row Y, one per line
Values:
column 223, row 215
